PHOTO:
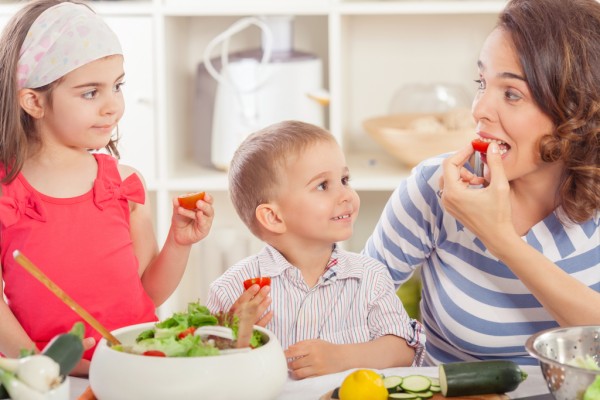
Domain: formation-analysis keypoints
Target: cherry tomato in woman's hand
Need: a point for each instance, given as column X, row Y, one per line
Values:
column 480, row 146
column 261, row 281
column 154, row 353
column 189, row 200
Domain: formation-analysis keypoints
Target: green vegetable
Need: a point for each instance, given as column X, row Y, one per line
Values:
column 480, row 377
column 593, row 391
column 67, row 348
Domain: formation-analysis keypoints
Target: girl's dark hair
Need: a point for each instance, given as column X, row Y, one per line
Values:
column 558, row 45
column 18, row 137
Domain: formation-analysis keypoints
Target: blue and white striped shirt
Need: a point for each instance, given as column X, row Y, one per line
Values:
column 473, row 307
column 354, row 301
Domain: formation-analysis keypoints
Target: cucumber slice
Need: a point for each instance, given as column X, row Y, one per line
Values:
column 427, row 394
column 392, row 383
column 435, row 389
column 403, row 396
column 415, row 383
column 434, row 381
column 479, row 377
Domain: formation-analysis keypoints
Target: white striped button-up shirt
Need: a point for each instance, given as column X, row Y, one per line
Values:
column 354, row 301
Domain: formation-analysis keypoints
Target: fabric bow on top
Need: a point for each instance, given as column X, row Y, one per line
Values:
column 130, row 189
column 12, row 209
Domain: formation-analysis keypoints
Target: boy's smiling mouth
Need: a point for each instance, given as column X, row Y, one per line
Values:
column 344, row 216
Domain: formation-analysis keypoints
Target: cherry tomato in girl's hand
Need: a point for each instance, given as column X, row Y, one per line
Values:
column 261, row 281
column 189, row 200
column 480, row 146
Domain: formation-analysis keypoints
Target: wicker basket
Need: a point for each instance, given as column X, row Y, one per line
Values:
column 412, row 142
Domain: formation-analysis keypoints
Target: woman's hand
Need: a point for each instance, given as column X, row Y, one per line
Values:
column 191, row 226
column 487, row 211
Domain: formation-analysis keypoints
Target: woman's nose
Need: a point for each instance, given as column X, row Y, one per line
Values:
column 483, row 107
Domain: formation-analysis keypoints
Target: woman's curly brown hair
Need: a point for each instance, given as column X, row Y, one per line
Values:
column 559, row 50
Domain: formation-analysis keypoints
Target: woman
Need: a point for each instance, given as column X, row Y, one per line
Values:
column 521, row 254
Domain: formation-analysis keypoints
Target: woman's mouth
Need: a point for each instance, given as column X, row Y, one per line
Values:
column 503, row 146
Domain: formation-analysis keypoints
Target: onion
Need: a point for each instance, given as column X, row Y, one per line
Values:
column 38, row 371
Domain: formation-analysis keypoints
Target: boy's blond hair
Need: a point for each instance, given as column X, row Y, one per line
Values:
column 257, row 165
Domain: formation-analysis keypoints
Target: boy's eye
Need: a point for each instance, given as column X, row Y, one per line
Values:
column 322, row 186
column 346, row 180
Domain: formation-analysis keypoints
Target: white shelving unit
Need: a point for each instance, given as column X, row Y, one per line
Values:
column 369, row 49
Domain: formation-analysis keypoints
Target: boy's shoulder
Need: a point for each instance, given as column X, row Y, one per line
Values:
column 361, row 264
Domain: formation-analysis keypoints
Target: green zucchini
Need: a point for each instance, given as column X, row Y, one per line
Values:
column 480, row 377
column 67, row 348
column 392, row 383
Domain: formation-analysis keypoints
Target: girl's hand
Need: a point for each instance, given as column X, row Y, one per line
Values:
column 258, row 300
column 313, row 358
column 486, row 212
column 83, row 367
column 191, row 226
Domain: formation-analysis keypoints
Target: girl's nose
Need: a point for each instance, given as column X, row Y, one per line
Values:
column 112, row 104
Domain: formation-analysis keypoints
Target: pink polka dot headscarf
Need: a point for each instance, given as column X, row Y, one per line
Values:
column 62, row 39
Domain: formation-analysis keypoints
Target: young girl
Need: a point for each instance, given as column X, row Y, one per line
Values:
column 79, row 216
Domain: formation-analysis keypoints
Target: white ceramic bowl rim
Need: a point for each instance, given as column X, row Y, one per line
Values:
column 530, row 346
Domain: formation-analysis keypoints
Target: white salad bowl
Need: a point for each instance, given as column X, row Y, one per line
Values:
column 256, row 374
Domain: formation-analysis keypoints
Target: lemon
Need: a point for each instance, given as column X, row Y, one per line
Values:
column 363, row 384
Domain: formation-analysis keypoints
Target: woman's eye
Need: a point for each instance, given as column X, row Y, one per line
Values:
column 480, row 84
column 512, row 95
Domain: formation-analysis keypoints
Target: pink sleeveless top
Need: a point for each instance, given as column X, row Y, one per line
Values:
column 83, row 244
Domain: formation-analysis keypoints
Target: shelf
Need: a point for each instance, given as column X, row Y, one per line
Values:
column 421, row 7
column 244, row 7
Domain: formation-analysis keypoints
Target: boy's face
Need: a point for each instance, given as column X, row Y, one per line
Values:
column 315, row 199
column 86, row 106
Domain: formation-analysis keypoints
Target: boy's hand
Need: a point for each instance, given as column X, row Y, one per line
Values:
column 313, row 358
column 258, row 301
column 191, row 226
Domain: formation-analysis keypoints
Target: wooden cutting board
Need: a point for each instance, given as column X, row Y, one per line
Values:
column 437, row 396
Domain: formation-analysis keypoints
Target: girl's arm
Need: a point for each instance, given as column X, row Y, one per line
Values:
column 317, row 357
column 558, row 292
column 161, row 271
column 13, row 337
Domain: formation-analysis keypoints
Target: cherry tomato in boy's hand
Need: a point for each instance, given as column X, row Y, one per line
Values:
column 261, row 281
column 480, row 146
column 154, row 353
column 189, row 200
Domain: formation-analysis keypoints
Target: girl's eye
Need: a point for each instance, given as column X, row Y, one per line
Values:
column 90, row 95
column 480, row 83
column 119, row 86
column 322, row 186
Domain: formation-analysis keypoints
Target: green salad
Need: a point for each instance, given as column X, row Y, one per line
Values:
column 174, row 337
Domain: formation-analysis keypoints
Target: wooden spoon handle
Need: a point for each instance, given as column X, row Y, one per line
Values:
column 40, row 276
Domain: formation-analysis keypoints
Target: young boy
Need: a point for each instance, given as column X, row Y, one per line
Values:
column 332, row 310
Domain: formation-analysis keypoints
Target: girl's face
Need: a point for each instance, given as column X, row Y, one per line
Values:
column 315, row 199
column 86, row 105
column 505, row 111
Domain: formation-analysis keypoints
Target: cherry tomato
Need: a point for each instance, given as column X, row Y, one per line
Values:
column 480, row 146
column 189, row 200
column 154, row 353
column 188, row 331
column 261, row 281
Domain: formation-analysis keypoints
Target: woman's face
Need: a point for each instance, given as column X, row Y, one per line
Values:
column 505, row 111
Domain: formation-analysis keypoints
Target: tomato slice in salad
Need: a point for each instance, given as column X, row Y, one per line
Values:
column 480, row 146
column 154, row 353
column 188, row 331
column 261, row 281
column 189, row 200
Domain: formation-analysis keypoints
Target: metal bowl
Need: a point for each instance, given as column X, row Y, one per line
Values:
column 557, row 350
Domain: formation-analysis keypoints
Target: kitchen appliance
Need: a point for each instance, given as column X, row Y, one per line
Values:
column 238, row 93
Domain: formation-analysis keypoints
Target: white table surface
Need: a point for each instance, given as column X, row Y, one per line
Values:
column 313, row 388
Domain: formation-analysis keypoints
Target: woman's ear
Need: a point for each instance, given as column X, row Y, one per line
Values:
column 268, row 216
column 32, row 102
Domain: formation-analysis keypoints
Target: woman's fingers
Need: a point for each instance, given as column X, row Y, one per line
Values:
column 498, row 179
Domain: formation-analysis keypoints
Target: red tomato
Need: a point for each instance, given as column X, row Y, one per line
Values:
column 189, row 200
column 480, row 146
column 154, row 353
column 188, row 331
column 261, row 281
